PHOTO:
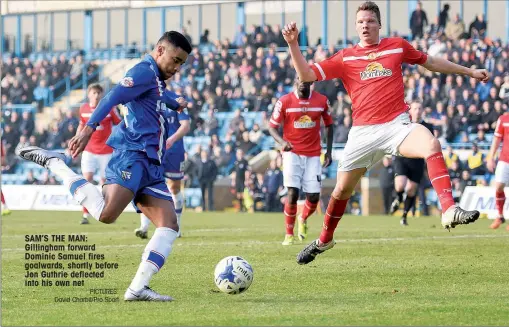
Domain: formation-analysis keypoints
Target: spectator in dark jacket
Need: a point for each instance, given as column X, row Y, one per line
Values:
column 221, row 101
column 10, row 137
column 207, row 174
column 27, row 124
column 189, row 171
column 417, row 21
column 272, row 185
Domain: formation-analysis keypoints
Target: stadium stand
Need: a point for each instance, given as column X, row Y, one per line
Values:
column 232, row 88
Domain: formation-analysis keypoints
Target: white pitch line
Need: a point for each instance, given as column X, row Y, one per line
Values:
column 251, row 243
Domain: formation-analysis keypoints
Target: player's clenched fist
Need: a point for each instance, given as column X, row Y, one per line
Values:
column 290, row 32
column 481, row 75
column 182, row 102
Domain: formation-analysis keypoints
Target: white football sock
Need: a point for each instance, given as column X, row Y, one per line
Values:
column 153, row 258
column 144, row 222
column 82, row 191
column 178, row 202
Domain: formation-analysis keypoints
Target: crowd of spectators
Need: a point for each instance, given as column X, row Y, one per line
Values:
column 20, row 129
column 26, row 82
column 249, row 72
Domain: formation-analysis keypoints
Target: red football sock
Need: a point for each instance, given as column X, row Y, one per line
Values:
column 85, row 211
column 290, row 214
column 440, row 179
column 3, row 200
column 309, row 209
column 500, row 201
column 333, row 215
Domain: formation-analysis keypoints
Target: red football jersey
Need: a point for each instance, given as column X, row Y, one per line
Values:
column 372, row 76
column 301, row 121
column 97, row 143
column 502, row 124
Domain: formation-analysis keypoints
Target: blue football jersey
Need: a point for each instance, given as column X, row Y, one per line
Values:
column 174, row 120
column 144, row 127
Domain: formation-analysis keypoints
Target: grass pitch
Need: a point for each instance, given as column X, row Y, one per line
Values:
column 379, row 273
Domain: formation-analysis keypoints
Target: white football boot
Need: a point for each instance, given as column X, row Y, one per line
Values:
column 145, row 294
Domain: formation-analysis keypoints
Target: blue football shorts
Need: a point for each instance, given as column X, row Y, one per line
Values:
column 134, row 171
column 173, row 164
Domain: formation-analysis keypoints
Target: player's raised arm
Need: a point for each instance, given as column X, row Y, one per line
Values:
column 440, row 65
column 444, row 66
column 328, row 69
column 291, row 34
column 136, row 82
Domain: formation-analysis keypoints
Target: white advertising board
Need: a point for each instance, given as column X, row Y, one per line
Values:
column 483, row 199
column 42, row 197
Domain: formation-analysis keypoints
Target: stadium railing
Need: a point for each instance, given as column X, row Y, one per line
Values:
column 20, row 108
column 82, row 83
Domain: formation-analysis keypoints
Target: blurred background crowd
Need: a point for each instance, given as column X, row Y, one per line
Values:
column 233, row 85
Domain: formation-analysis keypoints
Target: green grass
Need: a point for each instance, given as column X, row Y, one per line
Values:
column 378, row 274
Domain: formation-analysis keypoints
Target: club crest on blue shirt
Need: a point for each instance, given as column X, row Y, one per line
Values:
column 126, row 175
column 127, row 82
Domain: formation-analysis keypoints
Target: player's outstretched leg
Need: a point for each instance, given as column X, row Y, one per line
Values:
column 142, row 232
column 411, row 191
column 159, row 247
column 178, row 200
column 84, row 218
column 431, row 149
column 89, row 176
column 409, row 203
column 5, row 209
column 452, row 215
column 500, row 202
column 175, row 187
column 290, row 212
column 400, row 182
column 345, row 185
column 397, row 201
column 82, row 191
column 309, row 209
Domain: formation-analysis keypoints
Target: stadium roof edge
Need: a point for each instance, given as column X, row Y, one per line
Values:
column 13, row 8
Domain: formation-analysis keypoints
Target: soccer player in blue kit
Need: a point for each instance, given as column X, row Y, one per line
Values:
column 173, row 161
column 134, row 172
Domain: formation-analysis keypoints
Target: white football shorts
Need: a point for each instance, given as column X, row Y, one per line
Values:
column 302, row 171
column 368, row 144
column 92, row 163
column 502, row 173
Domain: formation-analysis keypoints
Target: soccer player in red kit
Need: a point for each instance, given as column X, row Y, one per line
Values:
column 502, row 171
column 372, row 75
column 97, row 154
column 5, row 209
column 301, row 113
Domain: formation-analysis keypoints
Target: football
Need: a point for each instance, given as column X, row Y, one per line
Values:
column 233, row 275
